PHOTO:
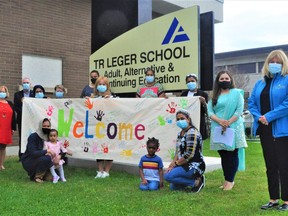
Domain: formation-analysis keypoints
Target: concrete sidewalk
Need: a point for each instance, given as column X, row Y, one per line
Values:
column 212, row 163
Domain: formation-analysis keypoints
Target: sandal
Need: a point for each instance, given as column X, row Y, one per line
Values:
column 38, row 180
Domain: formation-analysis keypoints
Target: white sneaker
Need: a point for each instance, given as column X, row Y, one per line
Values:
column 55, row 179
column 99, row 175
column 105, row 174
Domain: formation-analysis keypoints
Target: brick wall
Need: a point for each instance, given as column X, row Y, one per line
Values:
column 59, row 29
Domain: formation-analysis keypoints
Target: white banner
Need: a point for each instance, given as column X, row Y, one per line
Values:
column 114, row 128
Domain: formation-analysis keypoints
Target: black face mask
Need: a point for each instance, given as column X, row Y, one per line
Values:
column 46, row 130
column 93, row 80
column 225, row 84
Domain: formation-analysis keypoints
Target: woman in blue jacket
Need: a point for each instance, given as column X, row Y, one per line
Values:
column 269, row 106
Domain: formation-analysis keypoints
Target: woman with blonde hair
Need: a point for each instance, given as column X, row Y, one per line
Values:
column 269, row 106
column 7, row 123
column 102, row 90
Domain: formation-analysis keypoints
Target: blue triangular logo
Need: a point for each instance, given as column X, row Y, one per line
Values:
column 180, row 35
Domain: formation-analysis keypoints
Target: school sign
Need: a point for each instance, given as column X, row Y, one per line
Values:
column 169, row 45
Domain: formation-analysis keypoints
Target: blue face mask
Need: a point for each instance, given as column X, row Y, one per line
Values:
column 275, row 68
column 102, row 88
column 39, row 95
column 3, row 95
column 182, row 124
column 59, row 94
column 149, row 79
column 191, row 86
column 26, row 86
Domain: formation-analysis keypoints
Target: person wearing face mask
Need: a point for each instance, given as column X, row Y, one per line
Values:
column 35, row 160
column 89, row 89
column 186, row 171
column 225, row 109
column 102, row 90
column 268, row 104
column 150, row 88
column 191, row 81
column 59, row 91
column 7, row 123
column 18, row 104
column 39, row 92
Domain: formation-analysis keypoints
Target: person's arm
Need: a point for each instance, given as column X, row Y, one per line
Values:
column 143, row 180
column 33, row 147
column 252, row 102
column 224, row 123
column 18, row 102
column 192, row 143
column 161, row 175
column 13, row 122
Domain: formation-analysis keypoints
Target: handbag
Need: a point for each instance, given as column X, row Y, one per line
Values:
column 225, row 138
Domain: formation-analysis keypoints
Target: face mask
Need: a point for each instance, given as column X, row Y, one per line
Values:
column 26, row 86
column 182, row 124
column 102, row 88
column 39, row 95
column 3, row 95
column 59, row 94
column 93, row 80
column 46, row 130
column 275, row 68
column 191, row 85
column 225, row 84
column 149, row 79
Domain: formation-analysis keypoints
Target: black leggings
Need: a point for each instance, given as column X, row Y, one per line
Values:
column 229, row 162
column 275, row 152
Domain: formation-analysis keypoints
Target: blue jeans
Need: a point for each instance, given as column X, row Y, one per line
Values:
column 152, row 185
column 179, row 178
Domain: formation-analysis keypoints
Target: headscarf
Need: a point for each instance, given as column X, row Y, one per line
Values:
column 39, row 129
column 38, row 86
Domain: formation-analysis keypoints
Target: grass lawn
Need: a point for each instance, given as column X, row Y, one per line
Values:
column 119, row 194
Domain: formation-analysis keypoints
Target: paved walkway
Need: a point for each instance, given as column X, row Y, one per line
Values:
column 212, row 163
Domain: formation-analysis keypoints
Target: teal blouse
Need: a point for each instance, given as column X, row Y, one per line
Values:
column 228, row 105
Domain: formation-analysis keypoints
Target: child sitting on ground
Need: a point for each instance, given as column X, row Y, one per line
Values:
column 58, row 147
column 151, row 167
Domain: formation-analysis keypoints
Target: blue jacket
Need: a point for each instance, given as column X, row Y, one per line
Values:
column 278, row 114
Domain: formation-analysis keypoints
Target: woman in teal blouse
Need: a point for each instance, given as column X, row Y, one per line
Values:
column 225, row 110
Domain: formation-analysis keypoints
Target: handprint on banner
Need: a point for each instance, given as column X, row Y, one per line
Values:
column 88, row 103
column 161, row 120
column 66, row 143
column 126, row 153
column 183, row 103
column 171, row 153
column 105, row 148
column 85, row 147
column 99, row 114
column 169, row 120
column 172, row 107
column 95, row 148
column 67, row 103
column 50, row 110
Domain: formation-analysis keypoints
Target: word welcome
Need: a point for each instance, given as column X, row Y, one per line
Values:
column 111, row 130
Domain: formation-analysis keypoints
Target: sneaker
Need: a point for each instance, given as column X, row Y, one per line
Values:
column 99, row 175
column 55, row 179
column 105, row 174
column 63, row 180
column 283, row 207
column 270, row 205
column 200, row 185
